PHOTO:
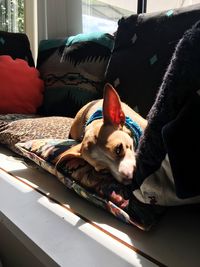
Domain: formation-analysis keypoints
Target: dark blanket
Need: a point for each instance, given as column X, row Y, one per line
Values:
column 173, row 132
column 143, row 48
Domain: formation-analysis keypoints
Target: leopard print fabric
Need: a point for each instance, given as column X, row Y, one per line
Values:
column 21, row 128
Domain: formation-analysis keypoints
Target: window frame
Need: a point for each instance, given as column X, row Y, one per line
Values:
column 141, row 6
column 31, row 25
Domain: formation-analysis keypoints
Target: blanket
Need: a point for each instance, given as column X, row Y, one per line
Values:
column 167, row 157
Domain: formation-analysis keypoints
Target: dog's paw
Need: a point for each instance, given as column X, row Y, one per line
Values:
column 75, row 163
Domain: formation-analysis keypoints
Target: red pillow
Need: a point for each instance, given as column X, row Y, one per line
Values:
column 21, row 89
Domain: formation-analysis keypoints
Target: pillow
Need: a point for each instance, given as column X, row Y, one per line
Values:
column 143, row 48
column 21, row 88
column 101, row 189
column 20, row 128
column 16, row 45
column 73, row 70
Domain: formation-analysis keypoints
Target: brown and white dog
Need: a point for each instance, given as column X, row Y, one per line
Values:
column 108, row 131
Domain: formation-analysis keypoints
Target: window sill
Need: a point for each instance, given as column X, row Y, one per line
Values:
column 53, row 226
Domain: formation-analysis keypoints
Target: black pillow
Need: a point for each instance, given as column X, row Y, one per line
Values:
column 143, row 49
column 16, row 45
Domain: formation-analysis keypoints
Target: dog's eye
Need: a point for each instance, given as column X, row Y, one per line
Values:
column 118, row 149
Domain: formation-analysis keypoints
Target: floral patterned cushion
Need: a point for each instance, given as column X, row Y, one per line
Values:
column 101, row 189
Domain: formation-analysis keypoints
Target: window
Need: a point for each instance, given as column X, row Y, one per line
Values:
column 12, row 15
column 102, row 15
column 153, row 5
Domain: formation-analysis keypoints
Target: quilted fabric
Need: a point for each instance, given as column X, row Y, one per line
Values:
column 101, row 189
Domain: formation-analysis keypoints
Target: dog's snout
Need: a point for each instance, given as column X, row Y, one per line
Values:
column 127, row 178
column 127, row 174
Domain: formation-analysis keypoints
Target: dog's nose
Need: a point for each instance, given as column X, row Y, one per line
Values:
column 126, row 175
column 126, row 169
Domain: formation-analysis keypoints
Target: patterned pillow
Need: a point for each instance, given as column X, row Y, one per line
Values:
column 101, row 189
column 16, row 128
column 73, row 70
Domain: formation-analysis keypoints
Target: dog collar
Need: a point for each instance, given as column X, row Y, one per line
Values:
column 133, row 126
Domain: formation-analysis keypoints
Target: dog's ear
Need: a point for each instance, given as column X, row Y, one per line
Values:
column 112, row 109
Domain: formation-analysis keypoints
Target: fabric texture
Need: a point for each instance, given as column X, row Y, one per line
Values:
column 16, row 128
column 16, row 45
column 167, row 162
column 143, row 48
column 74, row 71
column 21, row 88
column 101, row 189
column 181, row 140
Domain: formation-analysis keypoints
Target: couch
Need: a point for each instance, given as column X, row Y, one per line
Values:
column 137, row 61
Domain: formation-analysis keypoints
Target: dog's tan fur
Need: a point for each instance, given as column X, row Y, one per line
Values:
column 105, row 143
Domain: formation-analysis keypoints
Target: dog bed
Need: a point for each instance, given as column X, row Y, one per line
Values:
column 101, row 189
column 41, row 139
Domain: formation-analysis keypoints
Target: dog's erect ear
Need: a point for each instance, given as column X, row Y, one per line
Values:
column 112, row 110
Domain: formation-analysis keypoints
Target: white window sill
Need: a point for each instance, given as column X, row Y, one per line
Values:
column 61, row 229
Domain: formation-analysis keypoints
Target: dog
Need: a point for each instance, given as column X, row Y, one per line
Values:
column 107, row 132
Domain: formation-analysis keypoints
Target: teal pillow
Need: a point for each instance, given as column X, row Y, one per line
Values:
column 73, row 70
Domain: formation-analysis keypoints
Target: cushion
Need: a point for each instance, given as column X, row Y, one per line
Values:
column 21, row 88
column 19, row 128
column 143, row 49
column 73, row 70
column 16, row 45
column 101, row 189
